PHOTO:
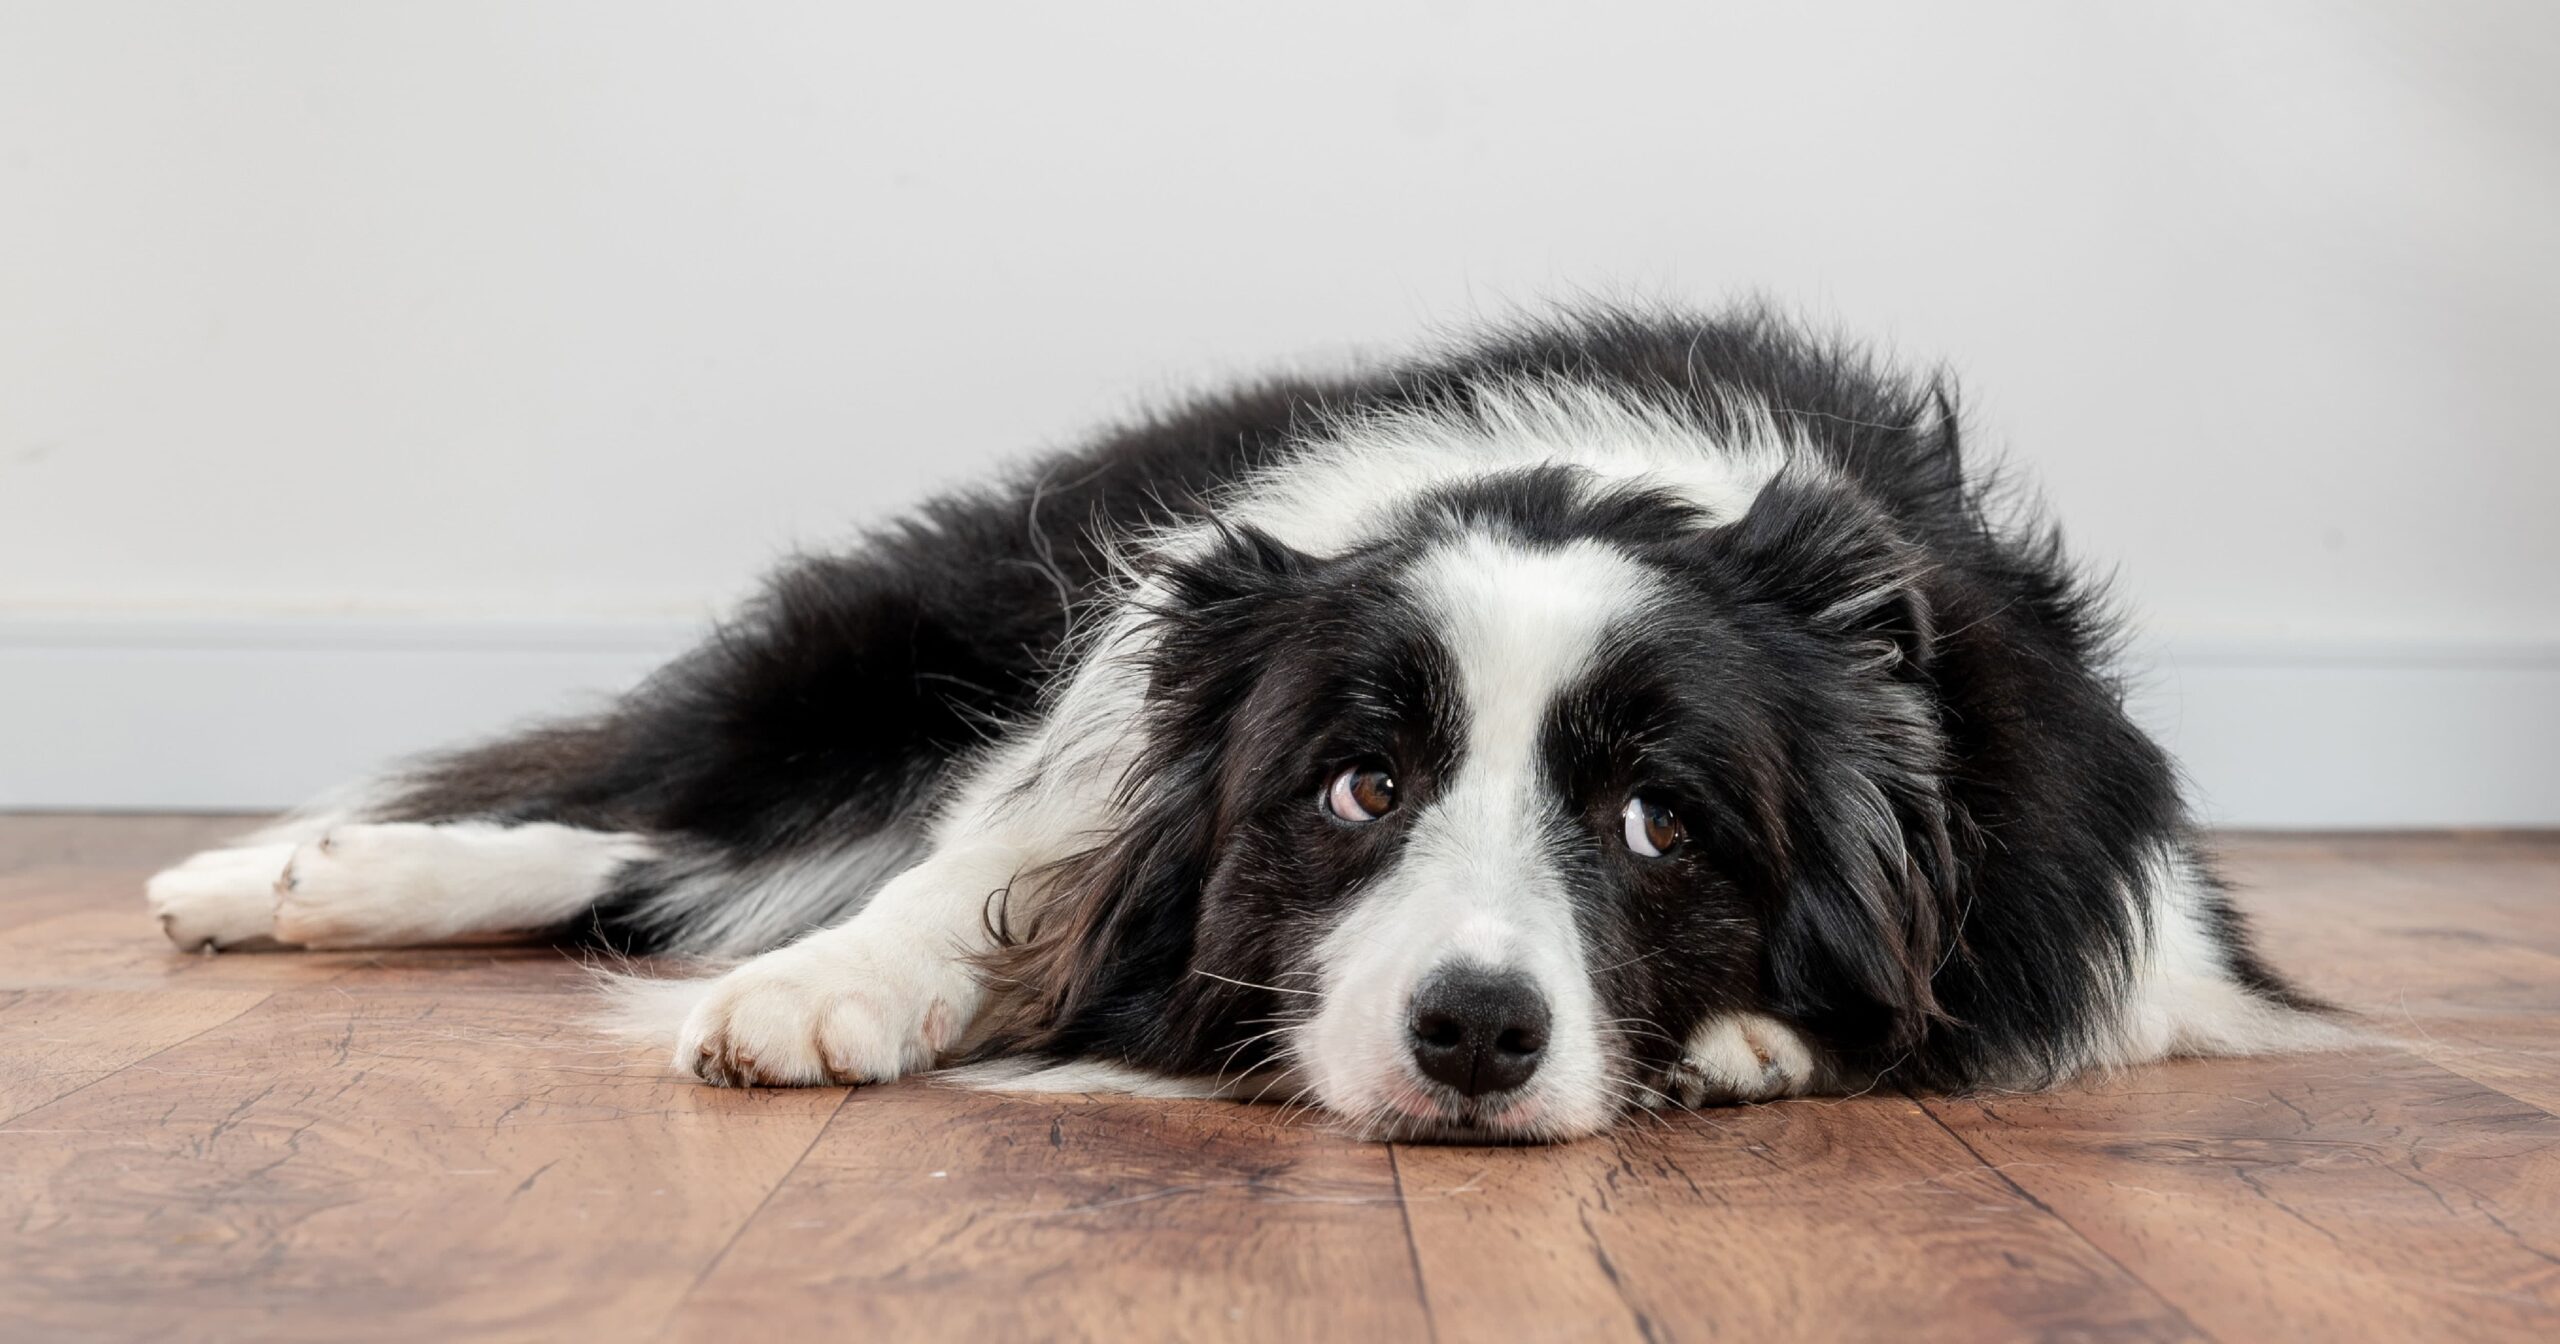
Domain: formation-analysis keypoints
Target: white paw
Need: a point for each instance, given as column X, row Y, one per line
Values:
column 362, row 886
column 219, row 898
column 1742, row 1057
column 836, row 1008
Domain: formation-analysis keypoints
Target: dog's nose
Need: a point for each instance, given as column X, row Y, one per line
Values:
column 1478, row 1030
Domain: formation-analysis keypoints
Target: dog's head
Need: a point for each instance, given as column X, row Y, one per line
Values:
column 1462, row 828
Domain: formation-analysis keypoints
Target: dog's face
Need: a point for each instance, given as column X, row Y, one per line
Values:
column 1463, row 833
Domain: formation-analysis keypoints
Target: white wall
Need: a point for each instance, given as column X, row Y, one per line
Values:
column 475, row 317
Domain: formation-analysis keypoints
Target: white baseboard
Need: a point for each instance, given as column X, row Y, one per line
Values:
column 2298, row 734
column 258, row 713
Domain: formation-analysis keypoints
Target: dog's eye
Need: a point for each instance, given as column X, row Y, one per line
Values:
column 1363, row 791
column 1653, row 830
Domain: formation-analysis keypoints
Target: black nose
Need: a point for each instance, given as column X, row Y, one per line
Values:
column 1478, row 1030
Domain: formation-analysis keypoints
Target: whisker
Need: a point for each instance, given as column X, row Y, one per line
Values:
column 1657, row 952
column 1280, row 1017
column 1634, row 1104
column 1228, row 1059
column 1250, row 984
column 1277, row 1079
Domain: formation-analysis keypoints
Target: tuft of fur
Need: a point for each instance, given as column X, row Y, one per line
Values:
column 648, row 1006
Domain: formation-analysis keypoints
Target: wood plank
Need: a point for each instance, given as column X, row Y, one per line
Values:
column 119, row 947
column 1857, row 1219
column 2516, row 1055
column 333, row 1164
column 930, row 1213
column 55, row 1042
column 2486, row 1010
column 2428, row 956
column 33, row 895
column 59, row 865
column 2370, row 1196
column 425, row 1143
column 2504, row 893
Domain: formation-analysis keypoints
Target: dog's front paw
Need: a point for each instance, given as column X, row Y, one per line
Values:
column 829, row 1010
column 219, row 898
column 1741, row 1057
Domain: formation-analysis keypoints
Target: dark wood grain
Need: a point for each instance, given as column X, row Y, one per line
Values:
column 428, row 1145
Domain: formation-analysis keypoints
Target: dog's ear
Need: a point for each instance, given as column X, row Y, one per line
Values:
column 1866, row 908
column 1859, row 851
column 1218, row 617
column 1816, row 549
column 1103, row 955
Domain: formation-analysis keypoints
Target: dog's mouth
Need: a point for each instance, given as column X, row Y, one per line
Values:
column 1413, row 1112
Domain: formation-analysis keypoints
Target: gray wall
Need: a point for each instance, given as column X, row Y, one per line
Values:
column 370, row 373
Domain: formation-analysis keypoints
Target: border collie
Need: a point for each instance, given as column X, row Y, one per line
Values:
column 1621, row 711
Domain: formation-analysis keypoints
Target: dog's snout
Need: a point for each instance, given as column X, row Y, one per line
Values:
column 1478, row 1030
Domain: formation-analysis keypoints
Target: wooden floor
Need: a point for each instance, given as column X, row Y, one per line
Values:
column 425, row 1145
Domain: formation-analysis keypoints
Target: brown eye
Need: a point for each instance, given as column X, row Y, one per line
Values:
column 1653, row 830
column 1364, row 791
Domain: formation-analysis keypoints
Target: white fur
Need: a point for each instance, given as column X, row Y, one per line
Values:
column 648, row 1009
column 871, row 999
column 219, row 898
column 2182, row 998
column 388, row 884
column 1477, row 881
column 1743, row 1057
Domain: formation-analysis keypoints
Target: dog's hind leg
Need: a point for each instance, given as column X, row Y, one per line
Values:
column 389, row 884
column 781, row 771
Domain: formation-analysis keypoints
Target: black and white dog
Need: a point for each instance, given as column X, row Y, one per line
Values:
column 1627, row 710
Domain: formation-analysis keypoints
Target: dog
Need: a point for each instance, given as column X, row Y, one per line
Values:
column 1620, row 710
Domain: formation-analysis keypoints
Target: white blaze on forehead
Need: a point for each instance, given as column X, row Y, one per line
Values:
column 1521, row 625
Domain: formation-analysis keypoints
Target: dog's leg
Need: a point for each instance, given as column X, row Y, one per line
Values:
column 880, row 995
column 1743, row 1057
column 389, row 884
column 888, row 991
